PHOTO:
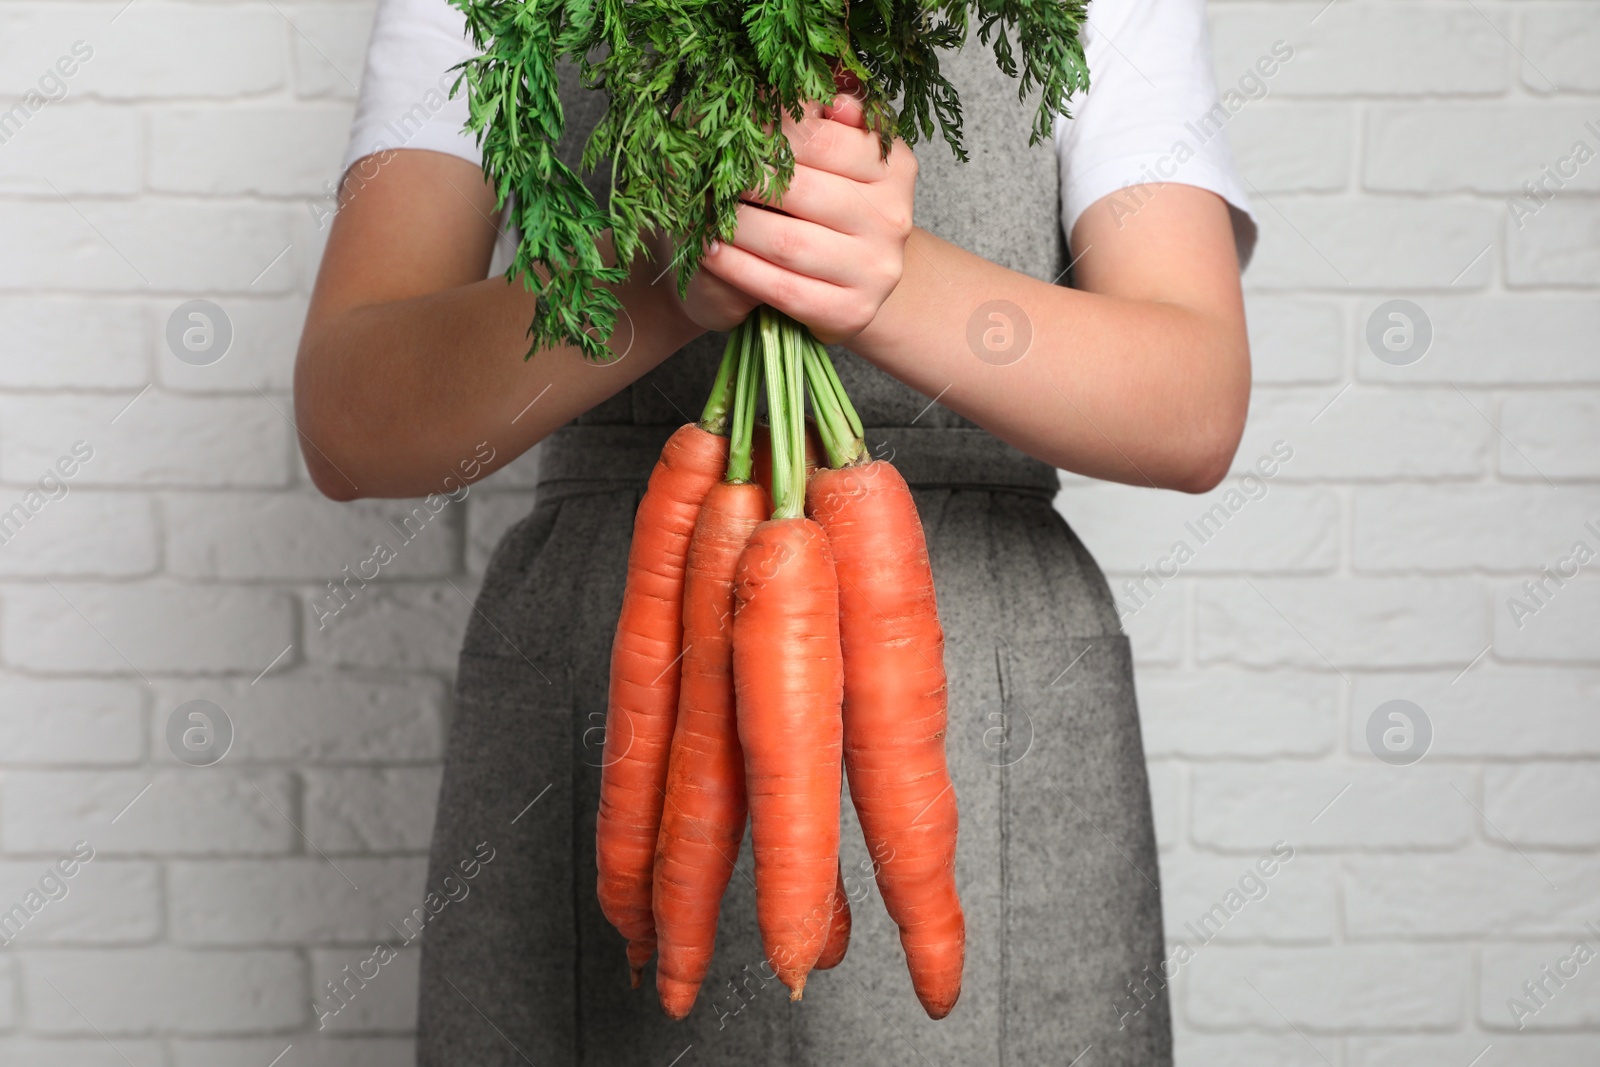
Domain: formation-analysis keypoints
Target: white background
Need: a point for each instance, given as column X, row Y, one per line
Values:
column 184, row 162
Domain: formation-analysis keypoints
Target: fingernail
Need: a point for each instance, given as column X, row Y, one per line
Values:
column 713, row 247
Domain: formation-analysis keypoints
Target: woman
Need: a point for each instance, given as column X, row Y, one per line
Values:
column 971, row 366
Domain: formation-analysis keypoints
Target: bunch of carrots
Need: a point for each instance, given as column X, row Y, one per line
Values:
column 769, row 633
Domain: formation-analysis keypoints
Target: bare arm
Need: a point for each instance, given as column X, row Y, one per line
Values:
column 410, row 358
column 1141, row 376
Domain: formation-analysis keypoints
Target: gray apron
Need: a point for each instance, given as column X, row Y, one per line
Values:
column 1056, row 859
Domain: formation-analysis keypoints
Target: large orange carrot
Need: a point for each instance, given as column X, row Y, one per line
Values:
column 703, row 820
column 645, row 658
column 789, row 677
column 895, row 709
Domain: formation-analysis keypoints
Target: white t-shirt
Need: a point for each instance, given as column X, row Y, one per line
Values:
column 1149, row 115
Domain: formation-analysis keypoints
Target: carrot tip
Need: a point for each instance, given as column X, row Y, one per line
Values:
column 634, row 974
column 797, row 992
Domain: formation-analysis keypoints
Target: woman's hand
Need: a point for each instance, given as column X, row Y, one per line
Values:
column 833, row 249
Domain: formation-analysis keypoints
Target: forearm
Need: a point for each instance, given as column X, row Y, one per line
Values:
column 1116, row 387
column 392, row 397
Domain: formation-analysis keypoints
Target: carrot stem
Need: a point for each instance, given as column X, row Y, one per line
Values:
column 794, row 338
column 742, row 436
column 714, row 419
column 838, row 388
column 842, row 445
column 787, row 501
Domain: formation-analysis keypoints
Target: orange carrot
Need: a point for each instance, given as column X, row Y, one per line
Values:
column 645, row 659
column 703, row 820
column 789, row 677
column 895, row 710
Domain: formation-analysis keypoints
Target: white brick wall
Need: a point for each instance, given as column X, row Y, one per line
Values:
column 182, row 562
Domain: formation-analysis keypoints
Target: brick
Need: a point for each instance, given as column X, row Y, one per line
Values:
column 1151, row 535
column 366, row 810
column 1366, row 434
column 1493, row 712
column 1559, row 43
column 1344, row 988
column 1454, row 1050
column 151, row 990
column 1572, row 1004
column 1168, row 785
column 1450, row 528
column 1558, row 246
column 1156, row 626
column 310, row 1050
column 52, row 342
column 189, row 247
column 301, row 718
column 154, row 50
column 1373, row 242
column 1560, row 627
column 330, row 49
column 489, row 517
column 247, row 536
column 270, row 151
column 1244, row 1050
column 398, row 627
column 1438, row 148
column 1495, row 340
column 184, row 813
column 156, row 440
column 80, row 1052
column 1544, row 804
column 1550, row 435
column 1293, row 148
column 291, row 901
column 1323, row 625
column 1203, row 715
column 1249, row 806
column 1297, row 903
column 83, row 535
column 388, row 1002
column 1361, row 50
column 144, row 628
column 1486, row 893
column 266, row 336
column 106, row 902
column 1295, row 341
column 71, row 722
column 75, row 150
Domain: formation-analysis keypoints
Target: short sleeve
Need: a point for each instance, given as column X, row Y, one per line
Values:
column 405, row 93
column 1152, row 113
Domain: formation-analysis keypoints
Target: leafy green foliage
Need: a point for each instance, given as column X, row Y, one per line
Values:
column 695, row 92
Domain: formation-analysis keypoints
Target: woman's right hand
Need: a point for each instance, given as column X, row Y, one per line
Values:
column 711, row 303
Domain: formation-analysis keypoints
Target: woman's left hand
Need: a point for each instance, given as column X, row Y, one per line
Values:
column 834, row 249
